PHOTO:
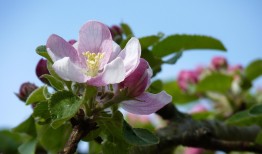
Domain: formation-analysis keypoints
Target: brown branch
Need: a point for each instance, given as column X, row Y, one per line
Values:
column 207, row 134
column 81, row 127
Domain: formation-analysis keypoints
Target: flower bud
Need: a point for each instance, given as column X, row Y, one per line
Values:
column 235, row 68
column 116, row 33
column 72, row 41
column 41, row 69
column 25, row 90
column 139, row 80
column 191, row 150
column 219, row 62
column 187, row 78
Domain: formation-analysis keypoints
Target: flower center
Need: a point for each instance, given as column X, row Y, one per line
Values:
column 93, row 62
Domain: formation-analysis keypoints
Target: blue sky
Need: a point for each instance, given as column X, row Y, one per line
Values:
column 27, row 24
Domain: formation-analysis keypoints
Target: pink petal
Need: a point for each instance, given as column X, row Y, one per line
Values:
column 147, row 103
column 114, row 72
column 131, row 55
column 68, row 71
column 95, row 37
column 58, row 48
column 138, row 80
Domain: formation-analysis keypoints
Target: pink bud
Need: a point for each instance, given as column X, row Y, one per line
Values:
column 219, row 62
column 116, row 33
column 25, row 90
column 198, row 108
column 191, row 150
column 138, row 81
column 41, row 69
column 72, row 42
column 187, row 77
column 235, row 68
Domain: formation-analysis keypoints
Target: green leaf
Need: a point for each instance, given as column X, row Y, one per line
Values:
column 156, row 87
column 215, row 82
column 148, row 41
column 115, row 147
column 10, row 142
column 127, row 30
column 28, row 147
column 154, row 62
column 113, row 125
column 26, row 127
column 41, row 50
column 244, row 118
column 56, row 83
column 92, row 135
column 254, row 69
column 63, row 105
column 177, row 43
column 51, row 139
column 178, row 96
column 259, row 138
column 138, row 136
column 256, row 110
column 37, row 95
column 41, row 112
column 174, row 59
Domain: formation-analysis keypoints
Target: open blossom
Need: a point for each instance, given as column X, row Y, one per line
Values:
column 95, row 59
column 142, row 102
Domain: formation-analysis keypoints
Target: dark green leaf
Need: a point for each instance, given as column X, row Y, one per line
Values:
column 127, row 30
column 174, row 58
column 94, row 148
column 178, row 96
column 27, row 127
column 115, row 147
column 10, row 142
column 148, row 41
column 215, row 82
column 63, row 105
column 41, row 112
column 37, row 95
column 254, row 69
column 51, row 139
column 156, row 87
column 177, row 43
column 28, row 147
column 256, row 110
column 41, row 50
column 138, row 136
column 56, row 83
column 244, row 118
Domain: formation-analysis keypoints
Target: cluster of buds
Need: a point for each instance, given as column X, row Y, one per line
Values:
column 187, row 79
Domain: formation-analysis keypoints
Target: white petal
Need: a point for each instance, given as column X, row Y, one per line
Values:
column 115, row 52
column 68, row 71
column 147, row 103
column 114, row 72
column 131, row 55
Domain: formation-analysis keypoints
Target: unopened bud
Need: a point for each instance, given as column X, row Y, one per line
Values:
column 187, row 78
column 116, row 33
column 219, row 62
column 41, row 69
column 25, row 90
column 139, row 80
column 72, row 42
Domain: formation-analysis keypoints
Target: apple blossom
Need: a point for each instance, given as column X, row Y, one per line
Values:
column 95, row 59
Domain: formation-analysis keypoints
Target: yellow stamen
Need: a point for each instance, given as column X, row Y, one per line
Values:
column 93, row 62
